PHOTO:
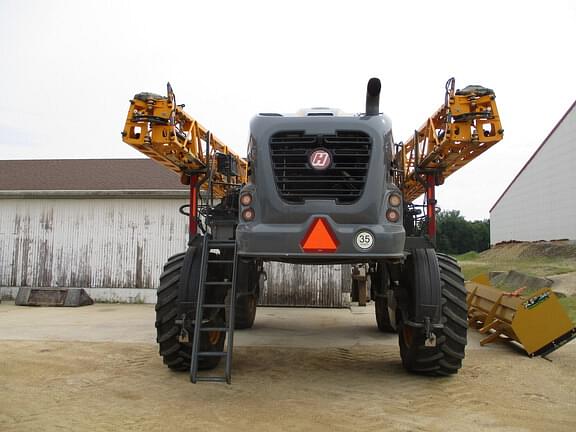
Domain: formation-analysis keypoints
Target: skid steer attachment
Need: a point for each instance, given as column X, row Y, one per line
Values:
column 68, row 297
column 537, row 321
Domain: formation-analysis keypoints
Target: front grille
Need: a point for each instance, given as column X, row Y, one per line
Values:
column 343, row 181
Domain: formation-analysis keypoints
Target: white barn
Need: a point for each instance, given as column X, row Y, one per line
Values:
column 108, row 225
column 540, row 203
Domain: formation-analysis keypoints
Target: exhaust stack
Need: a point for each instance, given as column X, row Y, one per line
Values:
column 373, row 97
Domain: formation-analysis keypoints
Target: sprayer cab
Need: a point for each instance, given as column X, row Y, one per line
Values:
column 322, row 183
column 318, row 187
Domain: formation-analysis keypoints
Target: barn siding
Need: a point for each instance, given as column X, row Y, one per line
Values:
column 123, row 243
column 306, row 285
column 88, row 243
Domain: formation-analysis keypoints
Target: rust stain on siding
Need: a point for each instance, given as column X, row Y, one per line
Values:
column 44, row 254
column 139, row 282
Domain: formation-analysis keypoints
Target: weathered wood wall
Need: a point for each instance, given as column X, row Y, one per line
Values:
column 123, row 243
column 305, row 285
column 88, row 242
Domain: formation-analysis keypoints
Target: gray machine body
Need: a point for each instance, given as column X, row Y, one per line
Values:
column 289, row 194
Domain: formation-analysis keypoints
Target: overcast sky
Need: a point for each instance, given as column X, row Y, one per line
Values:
column 68, row 69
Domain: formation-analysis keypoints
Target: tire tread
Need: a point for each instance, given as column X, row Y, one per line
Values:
column 446, row 357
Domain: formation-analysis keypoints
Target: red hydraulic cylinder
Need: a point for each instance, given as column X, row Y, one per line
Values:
column 431, row 205
column 193, row 217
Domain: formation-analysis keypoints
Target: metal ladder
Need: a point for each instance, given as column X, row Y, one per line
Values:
column 201, row 306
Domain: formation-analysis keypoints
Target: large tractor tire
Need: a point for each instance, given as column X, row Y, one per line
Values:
column 175, row 354
column 380, row 285
column 446, row 357
column 245, row 311
column 248, row 292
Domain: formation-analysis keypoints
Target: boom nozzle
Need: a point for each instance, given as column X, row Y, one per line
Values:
column 373, row 97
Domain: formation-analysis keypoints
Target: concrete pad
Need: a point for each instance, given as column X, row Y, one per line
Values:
column 96, row 323
column 294, row 327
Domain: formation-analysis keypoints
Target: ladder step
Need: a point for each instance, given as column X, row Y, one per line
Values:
column 212, row 353
column 209, row 260
column 221, row 244
column 217, row 305
column 211, row 379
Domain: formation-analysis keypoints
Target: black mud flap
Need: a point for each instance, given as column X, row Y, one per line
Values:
column 248, row 278
column 67, row 297
column 421, row 280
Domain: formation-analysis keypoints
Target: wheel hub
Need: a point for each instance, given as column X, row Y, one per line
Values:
column 213, row 337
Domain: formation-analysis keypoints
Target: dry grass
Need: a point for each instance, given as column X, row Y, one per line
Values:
column 569, row 304
column 531, row 266
column 535, row 259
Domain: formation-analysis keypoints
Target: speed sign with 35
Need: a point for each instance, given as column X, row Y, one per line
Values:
column 364, row 240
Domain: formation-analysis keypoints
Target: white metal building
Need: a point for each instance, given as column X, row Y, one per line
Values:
column 109, row 225
column 540, row 203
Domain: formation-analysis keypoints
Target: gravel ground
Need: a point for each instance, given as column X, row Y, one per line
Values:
column 298, row 369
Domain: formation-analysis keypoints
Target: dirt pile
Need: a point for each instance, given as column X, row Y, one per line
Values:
column 544, row 249
column 533, row 265
column 514, row 280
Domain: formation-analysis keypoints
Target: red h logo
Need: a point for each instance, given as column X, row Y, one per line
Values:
column 320, row 159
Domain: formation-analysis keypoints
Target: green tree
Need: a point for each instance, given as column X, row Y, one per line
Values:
column 455, row 235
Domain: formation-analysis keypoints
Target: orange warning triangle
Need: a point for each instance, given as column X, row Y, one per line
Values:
column 319, row 238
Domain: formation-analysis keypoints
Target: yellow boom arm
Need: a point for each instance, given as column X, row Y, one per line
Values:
column 463, row 128
column 160, row 129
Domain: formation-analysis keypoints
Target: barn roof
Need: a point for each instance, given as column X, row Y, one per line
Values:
column 86, row 175
column 534, row 155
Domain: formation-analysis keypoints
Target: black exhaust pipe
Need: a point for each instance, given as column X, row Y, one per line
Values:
column 373, row 97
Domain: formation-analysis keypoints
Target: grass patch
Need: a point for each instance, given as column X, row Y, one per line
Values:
column 473, row 264
column 468, row 256
column 471, row 270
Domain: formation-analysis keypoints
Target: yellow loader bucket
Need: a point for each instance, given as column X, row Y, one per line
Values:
column 537, row 321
